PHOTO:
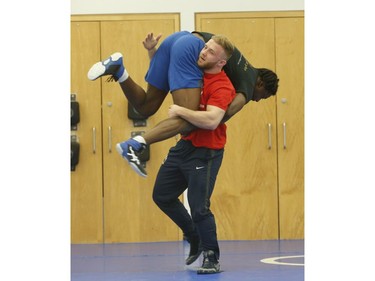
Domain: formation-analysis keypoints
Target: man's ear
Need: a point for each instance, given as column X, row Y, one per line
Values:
column 222, row 63
column 259, row 83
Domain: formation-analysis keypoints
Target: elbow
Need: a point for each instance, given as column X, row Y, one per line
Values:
column 212, row 125
column 236, row 105
column 232, row 110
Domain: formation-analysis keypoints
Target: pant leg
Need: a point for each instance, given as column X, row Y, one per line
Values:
column 202, row 169
column 169, row 185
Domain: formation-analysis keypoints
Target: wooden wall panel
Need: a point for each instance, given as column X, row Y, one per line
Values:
column 245, row 197
column 130, row 215
column 86, row 180
column 290, row 110
column 260, row 192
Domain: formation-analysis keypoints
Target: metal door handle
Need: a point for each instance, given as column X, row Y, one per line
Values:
column 284, row 130
column 93, row 140
column 109, row 139
column 269, row 136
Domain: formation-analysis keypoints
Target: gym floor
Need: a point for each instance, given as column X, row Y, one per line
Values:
column 266, row 260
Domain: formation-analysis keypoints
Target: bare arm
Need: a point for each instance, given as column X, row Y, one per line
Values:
column 208, row 119
column 235, row 106
column 150, row 43
column 188, row 98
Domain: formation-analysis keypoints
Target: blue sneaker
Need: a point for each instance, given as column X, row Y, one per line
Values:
column 130, row 150
column 111, row 66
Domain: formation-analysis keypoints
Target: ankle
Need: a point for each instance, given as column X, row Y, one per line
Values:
column 139, row 139
column 123, row 76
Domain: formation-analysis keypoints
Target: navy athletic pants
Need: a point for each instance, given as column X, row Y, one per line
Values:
column 195, row 168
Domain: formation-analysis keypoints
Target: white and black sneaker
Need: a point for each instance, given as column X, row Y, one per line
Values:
column 210, row 263
column 110, row 66
column 130, row 150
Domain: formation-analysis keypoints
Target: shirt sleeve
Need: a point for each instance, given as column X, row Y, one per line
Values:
column 221, row 96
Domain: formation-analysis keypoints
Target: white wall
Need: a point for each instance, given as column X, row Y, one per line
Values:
column 186, row 8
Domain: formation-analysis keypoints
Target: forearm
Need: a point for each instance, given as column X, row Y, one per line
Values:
column 201, row 119
column 166, row 129
column 237, row 104
column 151, row 52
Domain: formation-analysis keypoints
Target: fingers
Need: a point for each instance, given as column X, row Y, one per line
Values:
column 172, row 111
column 150, row 41
column 150, row 37
column 158, row 37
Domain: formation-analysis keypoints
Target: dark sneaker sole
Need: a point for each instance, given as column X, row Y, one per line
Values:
column 208, row 271
column 191, row 259
column 99, row 68
column 136, row 169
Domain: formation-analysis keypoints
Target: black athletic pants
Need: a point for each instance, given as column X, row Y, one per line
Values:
column 194, row 168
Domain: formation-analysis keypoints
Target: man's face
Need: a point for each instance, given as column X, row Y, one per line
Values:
column 259, row 95
column 211, row 54
column 260, row 92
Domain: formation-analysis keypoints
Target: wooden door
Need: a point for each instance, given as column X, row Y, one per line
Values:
column 86, row 180
column 290, row 123
column 245, row 197
column 130, row 215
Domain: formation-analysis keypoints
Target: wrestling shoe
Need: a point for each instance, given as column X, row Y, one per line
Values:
column 195, row 250
column 210, row 263
column 130, row 150
column 111, row 66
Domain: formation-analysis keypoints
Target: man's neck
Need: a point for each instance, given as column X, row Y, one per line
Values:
column 212, row 71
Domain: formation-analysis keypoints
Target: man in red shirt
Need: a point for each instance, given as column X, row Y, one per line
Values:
column 173, row 67
column 194, row 162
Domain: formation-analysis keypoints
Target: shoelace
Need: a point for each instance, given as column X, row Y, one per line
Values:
column 111, row 79
column 133, row 155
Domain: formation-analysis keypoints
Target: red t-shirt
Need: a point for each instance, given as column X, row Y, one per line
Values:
column 217, row 91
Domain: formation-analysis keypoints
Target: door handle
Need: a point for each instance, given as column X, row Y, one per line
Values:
column 284, row 137
column 109, row 139
column 94, row 140
column 269, row 136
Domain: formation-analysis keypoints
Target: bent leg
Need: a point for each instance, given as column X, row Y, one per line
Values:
column 184, row 80
column 170, row 127
column 170, row 183
column 157, row 78
column 145, row 103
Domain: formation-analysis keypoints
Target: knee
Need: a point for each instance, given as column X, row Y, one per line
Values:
column 160, row 199
column 186, row 128
column 157, row 198
column 200, row 214
column 146, row 111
